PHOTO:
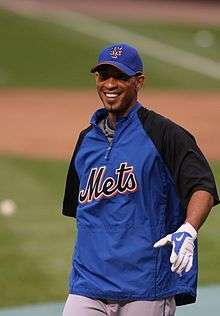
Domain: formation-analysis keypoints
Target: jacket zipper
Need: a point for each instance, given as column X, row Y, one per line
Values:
column 110, row 145
column 108, row 150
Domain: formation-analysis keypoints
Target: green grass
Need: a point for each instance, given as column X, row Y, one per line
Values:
column 36, row 242
column 41, row 54
column 164, row 75
column 177, row 35
column 209, row 258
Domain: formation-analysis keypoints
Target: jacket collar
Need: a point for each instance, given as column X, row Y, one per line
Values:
column 102, row 113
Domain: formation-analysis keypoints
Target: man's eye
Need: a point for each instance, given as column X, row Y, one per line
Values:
column 104, row 76
column 122, row 77
column 118, row 76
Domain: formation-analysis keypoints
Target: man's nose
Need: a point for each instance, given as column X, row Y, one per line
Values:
column 111, row 83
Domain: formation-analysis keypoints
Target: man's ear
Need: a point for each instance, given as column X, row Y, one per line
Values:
column 96, row 75
column 140, row 81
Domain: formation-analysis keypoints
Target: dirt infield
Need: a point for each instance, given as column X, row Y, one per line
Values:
column 45, row 123
column 164, row 11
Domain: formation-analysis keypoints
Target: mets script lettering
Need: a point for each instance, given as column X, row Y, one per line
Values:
column 97, row 188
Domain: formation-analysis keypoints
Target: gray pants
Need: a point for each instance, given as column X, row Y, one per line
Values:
column 77, row 305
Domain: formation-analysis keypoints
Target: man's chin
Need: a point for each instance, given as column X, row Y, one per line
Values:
column 113, row 108
column 115, row 111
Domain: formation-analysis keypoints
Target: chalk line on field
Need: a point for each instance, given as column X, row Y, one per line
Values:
column 111, row 33
column 147, row 46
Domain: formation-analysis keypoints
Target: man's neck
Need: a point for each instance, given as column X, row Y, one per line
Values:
column 111, row 120
column 112, row 116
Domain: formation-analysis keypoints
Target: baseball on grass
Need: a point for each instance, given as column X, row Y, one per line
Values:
column 7, row 207
column 204, row 39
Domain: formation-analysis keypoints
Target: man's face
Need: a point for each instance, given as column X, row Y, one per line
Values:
column 117, row 91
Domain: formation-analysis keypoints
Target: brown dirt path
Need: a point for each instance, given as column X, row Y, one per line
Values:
column 45, row 123
column 204, row 13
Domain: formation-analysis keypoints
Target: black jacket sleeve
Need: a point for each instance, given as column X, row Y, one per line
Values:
column 179, row 151
column 70, row 200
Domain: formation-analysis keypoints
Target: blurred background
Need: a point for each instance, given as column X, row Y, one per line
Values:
column 47, row 95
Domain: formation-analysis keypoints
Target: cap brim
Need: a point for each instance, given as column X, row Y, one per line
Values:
column 128, row 71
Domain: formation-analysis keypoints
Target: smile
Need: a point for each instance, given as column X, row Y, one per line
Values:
column 112, row 95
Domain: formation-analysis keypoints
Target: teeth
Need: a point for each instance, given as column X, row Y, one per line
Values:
column 111, row 95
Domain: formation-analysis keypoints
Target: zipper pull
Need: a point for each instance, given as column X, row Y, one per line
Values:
column 108, row 152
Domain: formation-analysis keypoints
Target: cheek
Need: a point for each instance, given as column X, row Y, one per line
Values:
column 99, row 89
column 132, row 90
column 97, row 86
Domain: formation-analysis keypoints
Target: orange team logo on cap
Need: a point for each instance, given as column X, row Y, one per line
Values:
column 116, row 52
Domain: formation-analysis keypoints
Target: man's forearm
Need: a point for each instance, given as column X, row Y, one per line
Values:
column 198, row 208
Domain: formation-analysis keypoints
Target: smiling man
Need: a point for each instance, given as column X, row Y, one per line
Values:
column 139, row 188
column 117, row 90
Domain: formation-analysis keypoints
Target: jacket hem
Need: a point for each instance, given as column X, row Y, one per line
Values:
column 182, row 296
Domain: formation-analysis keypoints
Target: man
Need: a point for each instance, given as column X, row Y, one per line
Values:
column 139, row 188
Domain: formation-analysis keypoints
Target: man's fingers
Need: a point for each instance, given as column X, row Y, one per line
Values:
column 182, row 266
column 190, row 263
column 181, row 257
column 162, row 242
column 183, row 263
column 174, row 255
column 177, row 262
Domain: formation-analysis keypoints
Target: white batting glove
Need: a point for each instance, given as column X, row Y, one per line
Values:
column 182, row 241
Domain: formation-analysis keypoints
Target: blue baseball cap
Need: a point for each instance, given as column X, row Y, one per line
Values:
column 122, row 56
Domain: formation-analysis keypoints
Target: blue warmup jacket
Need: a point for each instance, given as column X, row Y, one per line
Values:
column 125, row 197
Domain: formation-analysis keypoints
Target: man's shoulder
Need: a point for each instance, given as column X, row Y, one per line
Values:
column 82, row 134
column 85, row 131
column 157, row 124
column 152, row 119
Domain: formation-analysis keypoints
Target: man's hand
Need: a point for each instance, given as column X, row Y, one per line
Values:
column 182, row 241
